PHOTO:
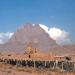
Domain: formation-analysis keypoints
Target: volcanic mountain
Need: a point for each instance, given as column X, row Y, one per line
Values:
column 29, row 33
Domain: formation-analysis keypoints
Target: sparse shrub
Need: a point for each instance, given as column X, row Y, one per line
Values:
column 68, row 66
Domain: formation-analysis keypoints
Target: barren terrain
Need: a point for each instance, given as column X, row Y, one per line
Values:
column 6, row 69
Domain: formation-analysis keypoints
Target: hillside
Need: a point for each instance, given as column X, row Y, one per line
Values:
column 29, row 33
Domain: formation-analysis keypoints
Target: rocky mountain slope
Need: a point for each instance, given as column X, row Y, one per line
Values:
column 39, row 39
column 29, row 33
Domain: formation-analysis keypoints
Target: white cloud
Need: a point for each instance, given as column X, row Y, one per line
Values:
column 33, row 24
column 44, row 27
column 57, row 34
column 4, row 37
column 61, row 36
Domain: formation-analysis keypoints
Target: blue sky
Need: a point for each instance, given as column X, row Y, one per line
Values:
column 53, row 13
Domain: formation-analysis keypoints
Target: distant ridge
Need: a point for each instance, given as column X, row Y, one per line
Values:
column 40, row 40
column 29, row 33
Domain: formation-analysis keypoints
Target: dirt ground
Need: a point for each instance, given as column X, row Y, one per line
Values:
column 6, row 69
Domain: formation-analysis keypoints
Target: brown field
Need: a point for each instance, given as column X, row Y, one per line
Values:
column 6, row 69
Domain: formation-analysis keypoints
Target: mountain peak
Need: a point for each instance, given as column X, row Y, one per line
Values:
column 39, row 38
column 32, row 33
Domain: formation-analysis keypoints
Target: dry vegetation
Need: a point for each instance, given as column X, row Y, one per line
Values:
column 6, row 69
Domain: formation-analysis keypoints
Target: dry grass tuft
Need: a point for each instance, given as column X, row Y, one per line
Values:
column 8, row 70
